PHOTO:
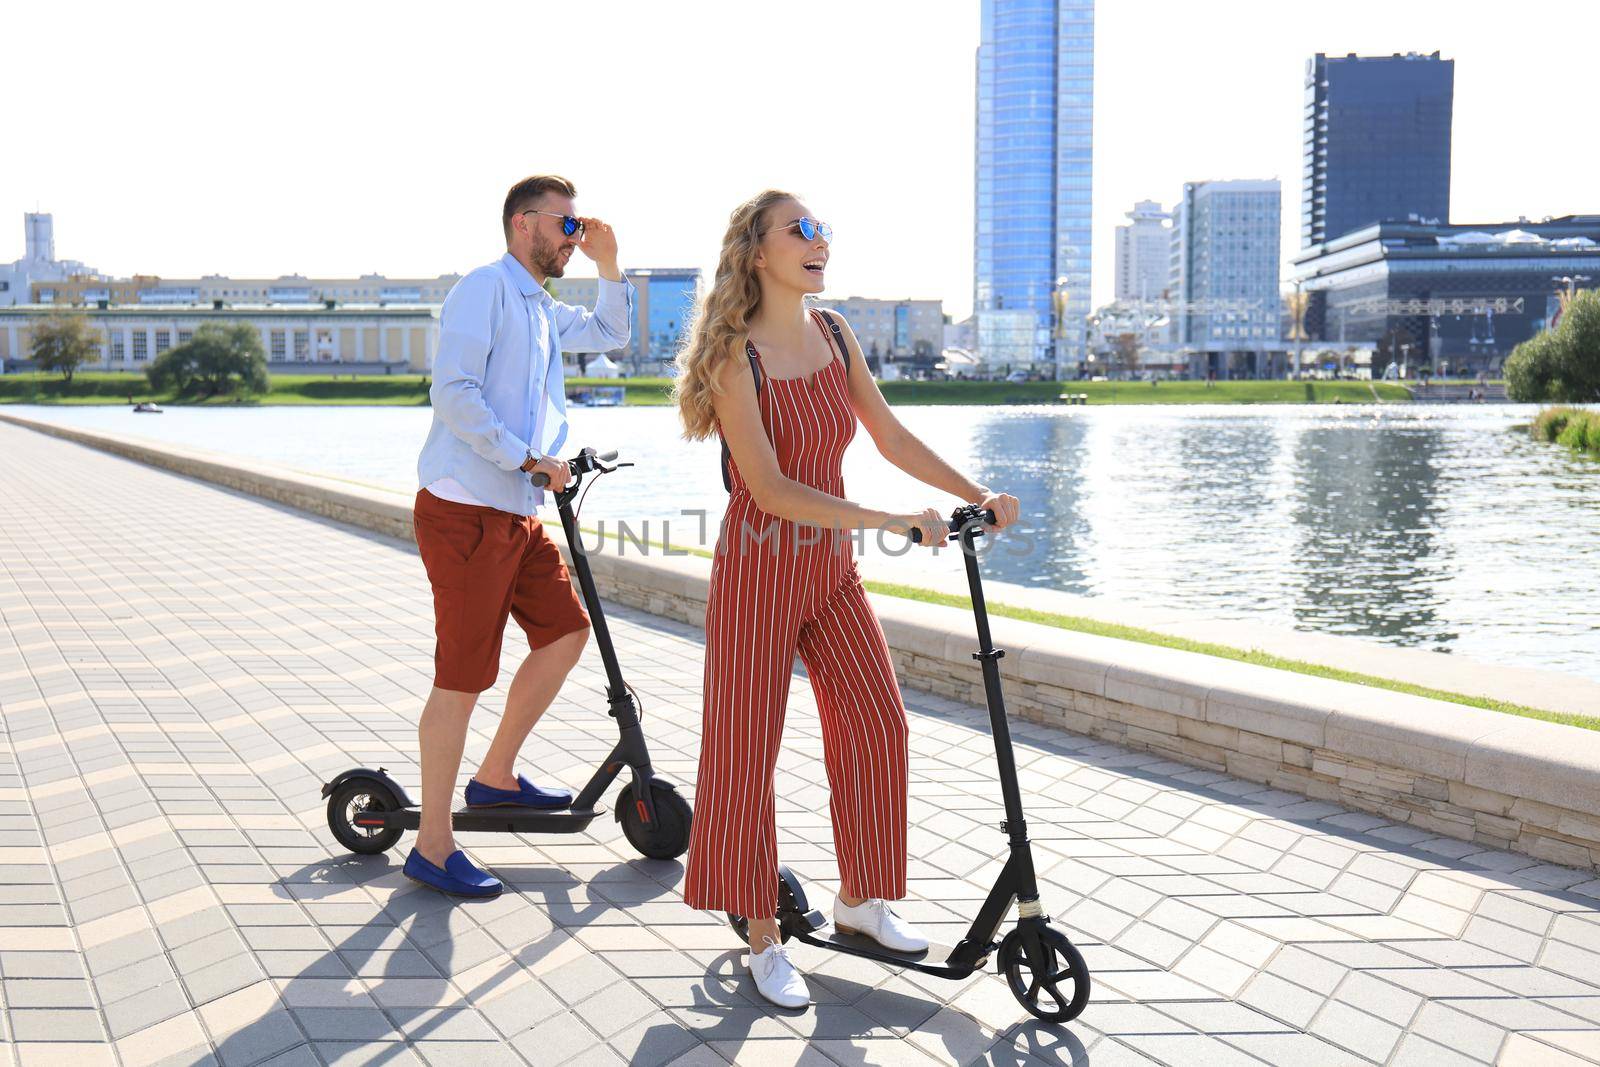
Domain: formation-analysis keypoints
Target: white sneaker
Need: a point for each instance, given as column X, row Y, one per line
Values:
column 777, row 978
column 872, row 918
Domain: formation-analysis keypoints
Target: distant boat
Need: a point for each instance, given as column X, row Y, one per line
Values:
column 599, row 396
column 147, row 408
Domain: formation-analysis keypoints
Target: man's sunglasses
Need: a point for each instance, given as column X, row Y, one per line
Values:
column 569, row 224
column 809, row 228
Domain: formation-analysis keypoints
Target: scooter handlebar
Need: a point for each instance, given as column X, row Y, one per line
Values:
column 960, row 519
column 584, row 462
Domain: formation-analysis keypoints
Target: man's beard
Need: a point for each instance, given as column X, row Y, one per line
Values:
column 547, row 258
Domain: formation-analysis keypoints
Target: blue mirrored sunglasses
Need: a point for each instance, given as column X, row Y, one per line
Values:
column 809, row 228
column 569, row 224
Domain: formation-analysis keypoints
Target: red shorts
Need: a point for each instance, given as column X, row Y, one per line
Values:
column 485, row 565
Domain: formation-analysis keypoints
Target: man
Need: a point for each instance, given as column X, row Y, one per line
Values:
column 499, row 416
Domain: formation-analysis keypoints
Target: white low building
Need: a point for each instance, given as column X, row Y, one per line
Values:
column 350, row 337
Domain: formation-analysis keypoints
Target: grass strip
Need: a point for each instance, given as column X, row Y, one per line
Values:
column 1120, row 632
column 411, row 390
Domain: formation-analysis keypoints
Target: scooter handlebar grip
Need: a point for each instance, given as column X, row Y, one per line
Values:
column 955, row 526
column 541, row 479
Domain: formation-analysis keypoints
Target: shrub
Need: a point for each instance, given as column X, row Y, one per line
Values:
column 217, row 359
column 1549, row 423
column 1576, row 428
column 1561, row 364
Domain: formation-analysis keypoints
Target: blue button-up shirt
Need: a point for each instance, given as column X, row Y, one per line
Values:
column 498, row 387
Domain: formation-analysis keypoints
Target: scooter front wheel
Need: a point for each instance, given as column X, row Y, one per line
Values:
column 1037, row 961
column 668, row 837
column 359, row 795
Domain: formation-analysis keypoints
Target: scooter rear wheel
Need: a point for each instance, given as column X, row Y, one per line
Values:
column 1036, row 962
column 792, row 907
column 741, row 926
column 350, row 800
column 668, row 837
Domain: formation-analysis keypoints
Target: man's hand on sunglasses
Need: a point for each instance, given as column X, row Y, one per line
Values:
column 599, row 243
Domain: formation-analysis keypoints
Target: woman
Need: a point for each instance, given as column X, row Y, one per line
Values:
column 784, row 391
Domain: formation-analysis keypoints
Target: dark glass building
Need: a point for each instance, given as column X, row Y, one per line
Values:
column 1377, row 142
column 1430, row 295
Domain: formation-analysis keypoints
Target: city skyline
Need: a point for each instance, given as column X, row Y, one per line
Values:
column 379, row 165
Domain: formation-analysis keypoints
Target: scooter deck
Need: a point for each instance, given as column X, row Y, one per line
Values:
column 505, row 820
column 932, row 960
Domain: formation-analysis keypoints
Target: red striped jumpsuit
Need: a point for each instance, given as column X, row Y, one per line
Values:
column 778, row 588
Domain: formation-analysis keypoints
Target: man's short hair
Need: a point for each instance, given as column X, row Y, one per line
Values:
column 526, row 193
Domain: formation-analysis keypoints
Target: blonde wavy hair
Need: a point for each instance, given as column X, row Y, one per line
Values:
column 723, row 316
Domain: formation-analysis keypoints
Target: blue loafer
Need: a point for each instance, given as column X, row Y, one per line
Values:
column 528, row 796
column 459, row 876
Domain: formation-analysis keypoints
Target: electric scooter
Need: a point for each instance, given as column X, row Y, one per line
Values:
column 368, row 810
column 1036, row 959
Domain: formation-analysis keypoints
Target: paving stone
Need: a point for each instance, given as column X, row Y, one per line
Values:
column 121, row 951
column 366, row 1054
column 134, row 978
column 266, row 1036
column 1282, row 1000
column 1458, row 1031
column 524, row 1006
column 1415, row 1051
column 41, row 965
column 653, row 1043
column 615, row 1008
column 134, row 1013
column 346, row 1024
column 221, row 978
column 48, row 993
column 467, row 1054
column 55, row 1024
column 442, row 1024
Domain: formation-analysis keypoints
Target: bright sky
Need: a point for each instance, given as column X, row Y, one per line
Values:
column 341, row 138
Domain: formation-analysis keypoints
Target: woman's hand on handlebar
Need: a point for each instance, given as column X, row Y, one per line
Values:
column 1006, row 508
column 555, row 469
column 927, row 528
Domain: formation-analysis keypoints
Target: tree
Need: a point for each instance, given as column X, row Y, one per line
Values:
column 64, row 343
column 219, row 358
column 1562, row 364
column 1125, row 350
column 1530, row 368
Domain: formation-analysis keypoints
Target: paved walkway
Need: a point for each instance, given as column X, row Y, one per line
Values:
column 181, row 668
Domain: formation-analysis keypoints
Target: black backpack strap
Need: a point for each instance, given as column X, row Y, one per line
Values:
column 755, row 370
column 838, row 338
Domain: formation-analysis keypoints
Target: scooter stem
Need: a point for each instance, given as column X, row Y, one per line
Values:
column 988, row 658
column 615, row 687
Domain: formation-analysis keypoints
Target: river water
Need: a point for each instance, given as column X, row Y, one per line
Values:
column 1427, row 526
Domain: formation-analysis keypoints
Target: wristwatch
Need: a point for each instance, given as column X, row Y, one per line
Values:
column 534, row 456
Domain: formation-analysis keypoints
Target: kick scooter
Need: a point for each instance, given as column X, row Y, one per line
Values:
column 1045, row 970
column 368, row 810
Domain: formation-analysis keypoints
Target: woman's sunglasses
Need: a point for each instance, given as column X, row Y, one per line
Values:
column 569, row 224
column 809, row 228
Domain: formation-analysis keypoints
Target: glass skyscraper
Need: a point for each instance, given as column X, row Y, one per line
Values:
column 1377, row 142
column 1035, row 152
